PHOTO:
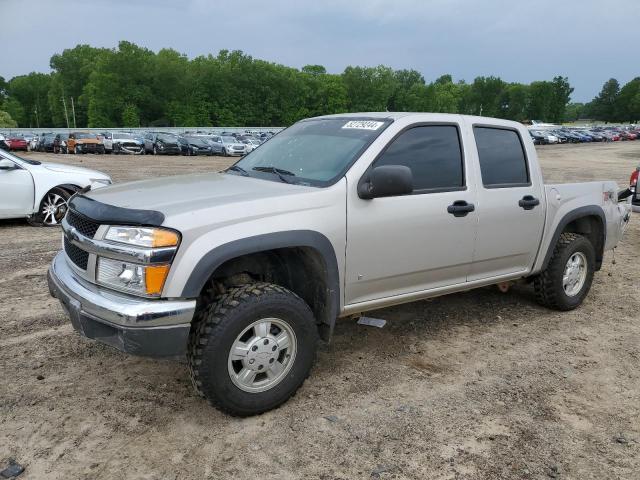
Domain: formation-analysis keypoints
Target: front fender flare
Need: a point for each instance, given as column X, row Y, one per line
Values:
column 271, row 241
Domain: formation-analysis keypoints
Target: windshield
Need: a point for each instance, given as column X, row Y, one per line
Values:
column 84, row 135
column 315, row 152
column 122, row 136
column 167, row 138
column 229, row 140
column 17, row 159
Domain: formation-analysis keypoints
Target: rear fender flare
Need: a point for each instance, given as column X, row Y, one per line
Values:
column 586, row 211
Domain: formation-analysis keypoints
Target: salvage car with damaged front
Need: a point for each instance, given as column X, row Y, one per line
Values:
column 244, row 271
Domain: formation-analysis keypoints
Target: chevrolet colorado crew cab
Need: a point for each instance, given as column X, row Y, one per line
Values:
column 245, row 270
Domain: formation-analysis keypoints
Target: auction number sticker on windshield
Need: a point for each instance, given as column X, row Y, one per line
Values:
column 363, row 124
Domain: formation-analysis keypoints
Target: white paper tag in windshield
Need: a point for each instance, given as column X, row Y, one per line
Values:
column 363, row 124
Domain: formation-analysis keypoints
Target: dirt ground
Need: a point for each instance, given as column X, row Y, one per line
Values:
column 479, row 385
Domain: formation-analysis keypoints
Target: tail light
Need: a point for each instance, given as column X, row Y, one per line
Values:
column 633, row 181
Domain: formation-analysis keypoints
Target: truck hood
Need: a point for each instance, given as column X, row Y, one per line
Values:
column 186, row 195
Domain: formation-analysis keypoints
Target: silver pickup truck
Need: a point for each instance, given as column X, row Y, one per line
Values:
column 245, row 270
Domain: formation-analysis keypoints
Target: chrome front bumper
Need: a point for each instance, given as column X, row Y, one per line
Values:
column 158, row 328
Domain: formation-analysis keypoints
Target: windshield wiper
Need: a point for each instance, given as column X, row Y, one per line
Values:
column 241, row 170
column 280, row 172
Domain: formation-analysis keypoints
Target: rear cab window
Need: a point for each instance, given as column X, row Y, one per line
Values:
column 503, row 162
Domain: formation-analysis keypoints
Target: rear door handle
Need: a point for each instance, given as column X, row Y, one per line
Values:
column 529, row 202
column 460, row 208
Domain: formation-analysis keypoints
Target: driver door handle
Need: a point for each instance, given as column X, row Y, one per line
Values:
column 460, row 208
column 529, row 202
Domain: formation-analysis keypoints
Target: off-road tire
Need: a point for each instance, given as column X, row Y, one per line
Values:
column 216, row 329
column 548, row 284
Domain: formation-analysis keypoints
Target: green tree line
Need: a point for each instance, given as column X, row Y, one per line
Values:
column 615, row 103
column 131, row 86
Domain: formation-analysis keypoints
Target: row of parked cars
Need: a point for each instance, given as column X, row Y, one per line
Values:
column 140, row 143
column 550, row 136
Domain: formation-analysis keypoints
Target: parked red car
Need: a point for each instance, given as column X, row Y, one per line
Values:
column 633, row 188
column 17, row 143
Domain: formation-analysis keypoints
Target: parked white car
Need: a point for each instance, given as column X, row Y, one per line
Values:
column 251, row 144
column 232, row 146
column 39, row 191
column 122, row 142
column 551, row 138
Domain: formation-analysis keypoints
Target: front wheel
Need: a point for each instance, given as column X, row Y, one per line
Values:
column 566, row 281
column 252, row 349
column 53, row 208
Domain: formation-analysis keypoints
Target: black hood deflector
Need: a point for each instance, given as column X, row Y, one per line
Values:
column 109, row 214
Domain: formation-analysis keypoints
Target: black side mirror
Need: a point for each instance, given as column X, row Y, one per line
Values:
column 386, row 181
column 8, row 166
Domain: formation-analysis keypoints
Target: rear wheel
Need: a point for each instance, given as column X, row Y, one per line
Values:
column 252, row 349
column 566, row 281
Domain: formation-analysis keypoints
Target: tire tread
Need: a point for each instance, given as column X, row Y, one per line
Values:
column 210, row 323
column 547, row 293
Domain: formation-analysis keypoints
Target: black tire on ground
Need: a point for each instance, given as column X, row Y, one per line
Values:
column 548, row 284
column 216, row 330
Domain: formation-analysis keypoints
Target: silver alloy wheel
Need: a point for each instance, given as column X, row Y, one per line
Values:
column 262, row 355
column 575, row 274
column 54, row 208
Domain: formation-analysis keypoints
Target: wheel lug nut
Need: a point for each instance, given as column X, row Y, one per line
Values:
column 251, row 361
column 254, row 348
column 271, row 360
column 273, row 349
column 259, row 367
column 266, row 342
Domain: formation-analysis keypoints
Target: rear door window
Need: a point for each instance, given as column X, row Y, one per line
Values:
column 503, row 162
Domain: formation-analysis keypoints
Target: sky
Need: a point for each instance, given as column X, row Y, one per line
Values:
column 588, row 41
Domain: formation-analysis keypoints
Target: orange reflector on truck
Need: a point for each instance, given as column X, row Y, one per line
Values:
column 154, row 277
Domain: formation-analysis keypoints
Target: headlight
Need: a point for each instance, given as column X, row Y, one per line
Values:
column 99, row 182
column 132, row 278
column 143, row 236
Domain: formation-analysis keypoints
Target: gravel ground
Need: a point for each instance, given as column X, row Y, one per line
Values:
column 478, row 385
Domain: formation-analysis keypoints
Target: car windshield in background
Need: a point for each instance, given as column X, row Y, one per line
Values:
column 122, row 136
column 84, row 135
column 196, row 141
column 14, row 158
column 315, row 152
column 229, row 140
column 167, row 138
